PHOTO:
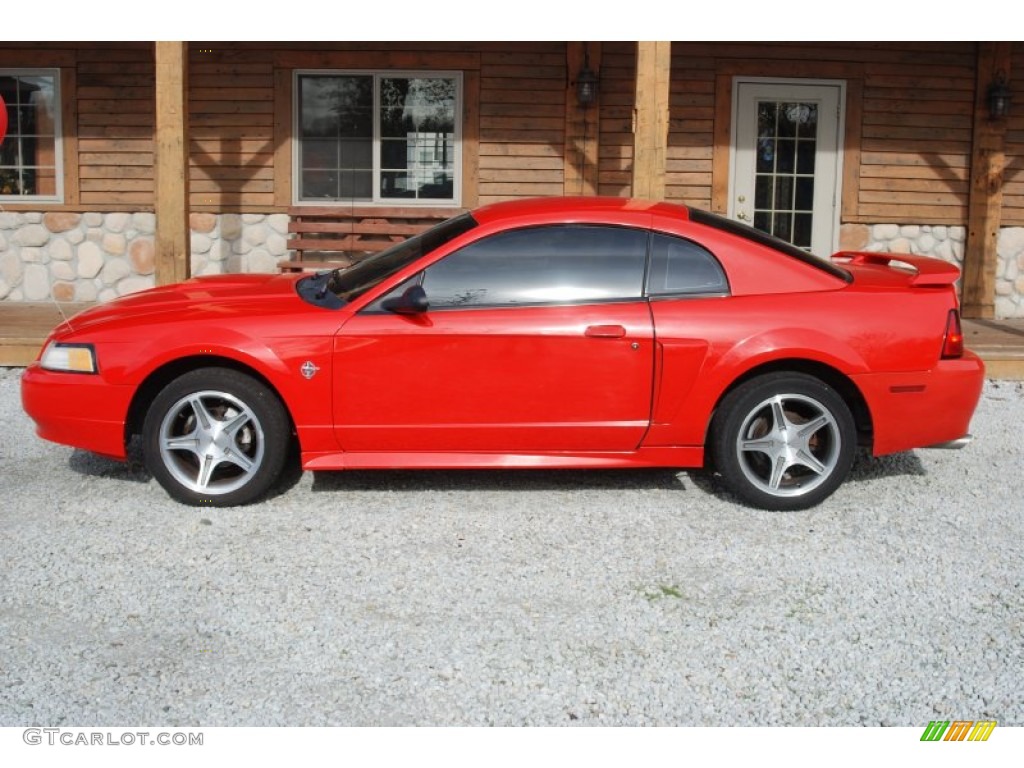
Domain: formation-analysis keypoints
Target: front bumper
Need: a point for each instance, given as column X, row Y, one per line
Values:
column 80, row 410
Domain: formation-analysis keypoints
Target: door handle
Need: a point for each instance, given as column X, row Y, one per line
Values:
column 605, row 331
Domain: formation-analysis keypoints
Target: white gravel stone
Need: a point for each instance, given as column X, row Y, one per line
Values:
column 514, row 598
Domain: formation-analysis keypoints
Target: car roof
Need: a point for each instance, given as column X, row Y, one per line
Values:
column 548, row 206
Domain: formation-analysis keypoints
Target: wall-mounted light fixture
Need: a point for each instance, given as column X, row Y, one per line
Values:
column 999, row 97
column 586, row 83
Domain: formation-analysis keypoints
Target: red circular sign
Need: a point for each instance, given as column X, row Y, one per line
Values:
column 3, row 119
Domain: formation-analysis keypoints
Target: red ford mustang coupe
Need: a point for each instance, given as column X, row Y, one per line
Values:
column 557, row 332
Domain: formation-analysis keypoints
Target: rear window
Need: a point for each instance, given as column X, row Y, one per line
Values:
column 757, row 236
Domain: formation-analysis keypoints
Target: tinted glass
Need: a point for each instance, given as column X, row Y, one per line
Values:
column 353, row 282
column 681, row 266
column 541, row 265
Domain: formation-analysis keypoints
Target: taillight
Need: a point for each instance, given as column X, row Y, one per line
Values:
column 953, row 343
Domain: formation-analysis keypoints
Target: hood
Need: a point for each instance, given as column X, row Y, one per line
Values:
column 217, row 295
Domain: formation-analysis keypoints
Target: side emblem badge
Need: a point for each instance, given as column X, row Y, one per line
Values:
column 308, row 370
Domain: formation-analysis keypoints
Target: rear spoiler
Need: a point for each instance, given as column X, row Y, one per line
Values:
column 927, row 270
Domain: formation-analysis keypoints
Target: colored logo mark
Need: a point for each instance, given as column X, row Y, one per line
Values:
column 958, row 730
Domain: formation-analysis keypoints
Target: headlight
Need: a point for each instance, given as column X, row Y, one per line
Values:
column 75, row 358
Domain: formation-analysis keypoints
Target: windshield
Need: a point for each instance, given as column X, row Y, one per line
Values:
column 353, row 282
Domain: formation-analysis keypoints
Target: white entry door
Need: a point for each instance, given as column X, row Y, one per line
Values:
column 787, row 159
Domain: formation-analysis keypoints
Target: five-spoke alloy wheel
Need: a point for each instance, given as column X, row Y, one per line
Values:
column 783, row 441
column 216, row 437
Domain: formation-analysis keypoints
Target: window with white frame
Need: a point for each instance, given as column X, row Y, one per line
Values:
column 378, row 137
column 30, row 154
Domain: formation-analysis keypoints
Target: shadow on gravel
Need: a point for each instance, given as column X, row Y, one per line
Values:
column 895, row 465
column 498, row 480
column 94, row 465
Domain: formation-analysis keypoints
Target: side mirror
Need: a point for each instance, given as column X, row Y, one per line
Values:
column 413, row 301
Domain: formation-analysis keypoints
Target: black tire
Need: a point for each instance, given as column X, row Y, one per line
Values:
column 216, row 437
column 783, row 441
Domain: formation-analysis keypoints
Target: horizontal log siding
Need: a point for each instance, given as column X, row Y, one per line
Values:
column 912, row 165
column 615, row 150
column 522, row 121
column 1013, row 176
column 231, row 129
column 115, row 128
column 691, row 128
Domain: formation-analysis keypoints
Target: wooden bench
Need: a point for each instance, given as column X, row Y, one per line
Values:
column 326, row 237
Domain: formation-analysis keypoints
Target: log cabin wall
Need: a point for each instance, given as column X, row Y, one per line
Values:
column 910, row 165
column 907, row 153
column 1013, row 179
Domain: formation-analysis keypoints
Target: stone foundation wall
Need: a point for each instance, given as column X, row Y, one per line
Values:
column 100, row 256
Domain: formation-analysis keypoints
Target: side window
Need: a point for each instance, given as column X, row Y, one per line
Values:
column 541, row 265
column 681, row 267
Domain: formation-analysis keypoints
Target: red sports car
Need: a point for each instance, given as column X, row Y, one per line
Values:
column 561, row 332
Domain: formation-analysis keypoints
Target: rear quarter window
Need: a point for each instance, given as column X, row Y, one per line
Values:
column 680, row 267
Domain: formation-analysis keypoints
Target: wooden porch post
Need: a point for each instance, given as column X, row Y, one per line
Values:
column 173, row 257
column 650, row 119
column 984, row 211
column 582, row 124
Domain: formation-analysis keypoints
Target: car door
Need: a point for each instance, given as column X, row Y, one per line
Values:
column 535, row 339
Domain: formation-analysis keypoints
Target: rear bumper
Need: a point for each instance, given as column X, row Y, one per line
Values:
column 925, row 408
column 80, row 410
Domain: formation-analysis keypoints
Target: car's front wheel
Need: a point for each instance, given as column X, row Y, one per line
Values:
column 783, row 441
column 216, row 437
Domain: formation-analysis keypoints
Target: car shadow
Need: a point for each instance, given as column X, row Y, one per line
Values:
column 498, row 480
column 93, row 465
column 866, row 467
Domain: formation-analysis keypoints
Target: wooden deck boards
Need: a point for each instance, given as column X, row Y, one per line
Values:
column 24, row 327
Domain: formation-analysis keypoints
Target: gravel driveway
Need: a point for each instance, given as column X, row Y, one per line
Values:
column 545, row 598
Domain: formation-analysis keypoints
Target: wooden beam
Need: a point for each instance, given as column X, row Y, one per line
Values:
column 984, row 209
column 650, row 118
column 173, row 258
column 582, row 124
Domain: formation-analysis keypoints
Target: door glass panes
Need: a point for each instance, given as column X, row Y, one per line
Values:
column 541, row 265
column 787, row 135
column 28, row 154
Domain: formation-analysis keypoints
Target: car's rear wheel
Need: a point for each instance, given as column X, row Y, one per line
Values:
column 783, row 441
column 216, row 437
